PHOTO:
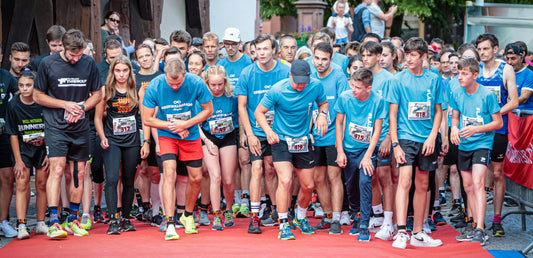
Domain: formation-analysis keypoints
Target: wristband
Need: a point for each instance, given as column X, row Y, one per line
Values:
column 147, row 141
column 446, row 137
column 82, row 108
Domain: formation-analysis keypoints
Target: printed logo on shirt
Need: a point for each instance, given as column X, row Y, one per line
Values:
column 122, row 105
column 71, row 82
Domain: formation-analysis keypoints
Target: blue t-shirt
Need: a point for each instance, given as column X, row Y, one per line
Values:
column 225, row 116
column 234, row 69
column 334, row 84
column 254, row 83
column 177, row 104
column 293, row 108
column 495, row 84
column 476, row 110
column 524, row 81
column 342, row 61
column 416, row 97
column 217, row 63
column 382, row 83
column 360, row 117
column 313, row 67
column 453, row 84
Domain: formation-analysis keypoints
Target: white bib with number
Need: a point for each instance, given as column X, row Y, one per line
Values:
column 361, row 134
column 419, row 111
column 221, row 125
column 497, row 91
column 297, row 145
column 472, row 121
column 181, row 116
column 124, row 125
column 35, row 139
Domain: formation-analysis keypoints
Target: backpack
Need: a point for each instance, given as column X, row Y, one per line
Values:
column 358, row 26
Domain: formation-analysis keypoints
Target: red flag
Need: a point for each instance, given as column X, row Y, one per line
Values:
column 518, row 164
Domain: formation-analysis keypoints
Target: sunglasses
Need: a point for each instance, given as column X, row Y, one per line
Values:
column 114, row 20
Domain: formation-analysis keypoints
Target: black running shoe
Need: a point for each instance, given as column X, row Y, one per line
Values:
column 127, row 226
column 147, row 216
column 254, row 227
column 114, row 228
column 156, row 220
column 458, row 218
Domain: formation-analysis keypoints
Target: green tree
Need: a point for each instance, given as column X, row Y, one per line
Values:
column 282, row 8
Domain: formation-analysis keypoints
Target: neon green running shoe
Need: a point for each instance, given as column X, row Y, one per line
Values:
column 303, row 225
column 77, row 229
column 188, row 222
column 56, row 232
column 171, row 234
column 244, row 212
column 235, row 209
column 87, row 222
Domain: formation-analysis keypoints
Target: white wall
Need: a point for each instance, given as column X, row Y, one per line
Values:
column 233, row 13
column 173, row 17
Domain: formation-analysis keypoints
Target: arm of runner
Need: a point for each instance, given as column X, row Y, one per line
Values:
column 429, row 145
column 260, row 117
column 44, row 100
column 18, row 169
column 444, row 133
column 321, row 121
column 366, row 162
column 242, row 136
column 393, row 131
column 454, row 137
column 339, row 138
column 208, row 143
column 509, row 79
column 497, row 123
column 98, row 123
column 253, row 142
column 524, row 96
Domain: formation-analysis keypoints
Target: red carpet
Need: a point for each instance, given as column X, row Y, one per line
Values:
column 232, row 242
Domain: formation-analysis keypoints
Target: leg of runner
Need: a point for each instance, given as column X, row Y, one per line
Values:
column 21, row 202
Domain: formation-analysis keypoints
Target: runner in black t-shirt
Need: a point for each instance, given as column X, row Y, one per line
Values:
column 67, row 85
column 25, row 125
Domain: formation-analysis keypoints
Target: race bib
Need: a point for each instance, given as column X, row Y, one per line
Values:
column 35, row 139
column 297, row 145
column 315, row 117
column 67, row 114
column 361, row 134
column 2, row 125
column 472, row 121
column 497, row 91
column 181, row 116
column 419, row 111
column 221, row 126
column 124, row 125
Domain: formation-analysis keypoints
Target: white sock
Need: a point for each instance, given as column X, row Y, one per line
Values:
column 39, row 223
column 388, row 218
column 336, row 216
column 436, row 203
column 86, row 215
column 237, row 196
column 22, row 225
column 282, row 216
column 301, row 212
column 255, row 206
column 378, row 209
column 441, row 189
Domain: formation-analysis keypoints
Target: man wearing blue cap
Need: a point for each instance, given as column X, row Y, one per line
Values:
column 293, row 100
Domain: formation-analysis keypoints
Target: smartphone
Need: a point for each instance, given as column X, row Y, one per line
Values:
column 396, row 3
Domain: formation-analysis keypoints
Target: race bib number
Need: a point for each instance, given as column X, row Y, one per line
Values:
column 297, row 145
column 419, row 111
column 67, row 114
column 361, row 134
column 35, row 139
column 497, row 91
column 124, row 125
column 181, row 116
column 2, row 125
column 270, row 117
column 472, row 121
column 315, row 117
column 221, row 126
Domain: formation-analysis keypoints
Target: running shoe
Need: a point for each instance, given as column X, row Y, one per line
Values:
column 509, row 202
column 400, row 240
column 134, row 213
column 319, row 212
column 86, row 222
column 285, row 232
column 459, row 217
column 254, row 226
column 409, row 222
column 274, row 216
column 466, row 236
column 244, row 211
column 303, row 225
column 355, row 227
column 345, row 218
column 442, row 198
column 8, row 230
column 438, row 219
column 171, row 234
column 376, row 221
column 114, row 228
column 386, row 232
column 335, row 228
column 262, row 209
column 323, row 225
column 364, row 235
column 56, row 232
column 269, row 222
column 157, row 220
column 204, row 220
column 22, row 232
column 266, row 213
column 455, row 210
column 77, row 229
column 41, row 229
column 228, row 219
column 497, row 229
column 147, row 216
column 425, row 227
column 63, row 218
column 421, row 239
column 97, row 216
column 461, row 224
column 480, row 236
column 235, row 208
column 126, row 226
column 188, row 222
column 217, row 224
column 163, row 226
column 432, row 225
column 195, row 216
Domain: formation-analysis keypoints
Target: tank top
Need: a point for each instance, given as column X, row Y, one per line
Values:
column 496, row 85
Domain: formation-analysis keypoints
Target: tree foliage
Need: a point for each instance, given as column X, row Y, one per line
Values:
column 282, row 8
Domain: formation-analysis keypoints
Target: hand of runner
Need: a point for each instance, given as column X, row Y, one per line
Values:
column 145, row 150
column 177, row 126
column 104, row 143
column 45, row 163
column 367, row 166
column 341, row 159
column 183, row 134
column 321, row 125
column 73, row 108
column 157, row 150
column 445, row 147
column 272, row 137
column 468, row 131
column 429, row 147
column 399, row 155
column 211, row 147
column 384, row 148
column 254, row 145
column 18, row 169
column 243, row 141
column 454, row 136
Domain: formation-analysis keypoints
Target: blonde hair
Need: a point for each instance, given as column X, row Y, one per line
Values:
column 219, row 70
column 110, row 90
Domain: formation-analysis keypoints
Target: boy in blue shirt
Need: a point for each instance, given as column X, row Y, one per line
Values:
column 360, row 114
column 289, row 137
column 415, row 117
column 476, row 115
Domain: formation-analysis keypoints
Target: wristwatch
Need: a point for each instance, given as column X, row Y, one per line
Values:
column 394, row 144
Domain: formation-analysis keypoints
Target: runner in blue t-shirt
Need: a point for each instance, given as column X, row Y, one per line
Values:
column 476, row 115
column 254, row 81
column 175, row 93
column 359, row 119
column 334, row 83
column 290, row 138
column 415, row 116
column 524, row 78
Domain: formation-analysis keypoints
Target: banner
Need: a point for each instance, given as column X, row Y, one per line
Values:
column 518, row 164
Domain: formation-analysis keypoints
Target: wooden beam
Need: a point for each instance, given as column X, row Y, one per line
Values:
column 44, row 19
column 96, row 35
column 20, row 28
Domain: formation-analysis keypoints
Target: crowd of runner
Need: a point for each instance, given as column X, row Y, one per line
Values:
column 367, row 134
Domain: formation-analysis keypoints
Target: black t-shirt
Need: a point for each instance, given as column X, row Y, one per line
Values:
column 8, row 87
column 70, row 82
column 144, row 80
column 37, row 61
column 27, row 122
column 121, row 124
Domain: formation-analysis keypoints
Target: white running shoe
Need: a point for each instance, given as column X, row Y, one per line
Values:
column 421, row 239
column 23, row 233
column 8, row 230
column 400, row 240
column 425, row 227
column 345, row 218
column 319, row 212
column 375, row 222
column 262, row 209
column 386, row 232
column 42, row 229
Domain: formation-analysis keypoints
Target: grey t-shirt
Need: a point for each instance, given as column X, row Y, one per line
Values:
column 377, row 25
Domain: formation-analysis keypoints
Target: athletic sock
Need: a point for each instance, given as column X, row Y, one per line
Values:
column 336, row 216
column 328, row 216
column 73, row 213
column 237, row 196
column 245, row 197
column 39, row 223
column 378, row 209
column 442, row 190
column 300, row 213
column 21, row 222
column 97, row 208
column 138, row 197
column 497, row 218
column 255, row 206
column 436, row 205
column 268, row 200
column 54, row 218
column 456, row 201
column 187, row 214
column 388, row 218
column 283, row 218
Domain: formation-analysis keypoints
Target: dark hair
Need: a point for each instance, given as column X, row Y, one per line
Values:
column 112, row 44
column 470, row 64
column 108, row 14
column 27, row 74
column 467, row 46
column 171, row 51
column 372, row 47
column 363, row 75
column 436, row 57
column 354, row 45
column 397, row 38
column 438, row 41
column 284, row 37
column 329, row 31
column 324, row 47
column 352, row 59
column 161, row 41
column 449, row 51
column 487, row 36
column 246, row 45
column 416, row 44
column 371, row 35
column 452, row 55
column 55, row 32
column 199, row 53
column 143, row 46
column 74, row 40
column 20, row 47
column 264, row 37
column 392, row 48
column 181, row 36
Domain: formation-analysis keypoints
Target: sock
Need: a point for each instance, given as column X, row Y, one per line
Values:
column 301, row 212
column 39, row 223
column 245, row 197
column 255, row 206
column 85, row 217
column 388, row 218
column 442, row 189
column 497, row 218
column 203, row 207
column 145, row 206
column 268, row 200
column 237, row 196
column 54, row 218
column 170, row 220
column 456, row 201
column 73, row 214
column 336, row 216
column 283, row 218
column 21, row 223
column 97, row 208
column 378, row 209
column 294, row 199
column 436, row 205
column 187, row 214
column 328, row 216
column 138, row 197
column 275, row 208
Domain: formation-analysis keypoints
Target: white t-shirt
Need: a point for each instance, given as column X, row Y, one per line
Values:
column 340, row 29
column 377, row 25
